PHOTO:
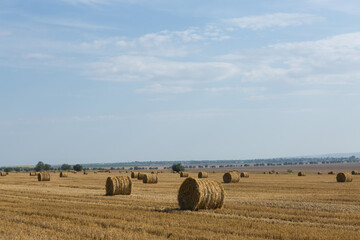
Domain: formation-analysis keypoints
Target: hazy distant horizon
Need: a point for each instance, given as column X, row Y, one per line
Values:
column 105, row 80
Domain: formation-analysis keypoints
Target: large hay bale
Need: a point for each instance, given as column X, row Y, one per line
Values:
column 33, row 174
column 331, row 173
column 301, row 174
column 354, row 172
column 203, row 175
column 134, row 174
column 344, row 177
column 150, row 178
column 184, row 174
column 319, row 173
column 231, row 177
column 141, row 176
column 119, row 185
column 244, row 174
column 3, row 174
column 197, row 194
column 63, row 174
column 44, row 176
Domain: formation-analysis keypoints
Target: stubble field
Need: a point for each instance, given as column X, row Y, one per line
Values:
column 282, row 206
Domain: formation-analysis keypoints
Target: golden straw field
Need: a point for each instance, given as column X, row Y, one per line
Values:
column 262, row 206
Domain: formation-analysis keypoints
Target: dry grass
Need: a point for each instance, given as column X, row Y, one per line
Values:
column 261, row 207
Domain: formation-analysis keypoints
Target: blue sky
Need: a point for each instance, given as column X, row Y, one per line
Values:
column 129, row 80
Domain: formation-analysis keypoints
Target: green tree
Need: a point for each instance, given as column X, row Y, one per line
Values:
column 8, row 169
column 47, row 167
column 78, row 167
column 40, row 166
column 177, row 167
column 66, row 167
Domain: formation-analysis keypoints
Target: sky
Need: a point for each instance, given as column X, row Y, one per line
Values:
column 87, row 81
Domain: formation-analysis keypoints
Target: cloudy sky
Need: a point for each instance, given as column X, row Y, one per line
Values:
column 135, row 80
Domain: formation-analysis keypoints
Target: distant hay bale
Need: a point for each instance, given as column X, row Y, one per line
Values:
column 150, row 178
column 63, row 174
column 119, row 185
column 265, row 172
column 3, row 174
column 331, row 173
column 134, row 174
column 354, row 172
column 74, row 172
column 277, row 173
column 344, row 177
column 33, row 174
column 195, row 194
column 244, row 174
column 301, row 174
column 319, row 173
column 141, row 176
column 271, row 172
column 231, row 177
column 184, row 174
column 203, row 175
column 154, row 172
column 86, row 173
column 44, row 176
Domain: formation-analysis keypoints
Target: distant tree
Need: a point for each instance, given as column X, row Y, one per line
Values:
column 17, row 169
column 39, row 166
column 290, row 171
column 78, row 167
column 8, row 169
column 136, row 168
column 130, row 168
column 66, row 167
column 177, row 167
column 47, row 167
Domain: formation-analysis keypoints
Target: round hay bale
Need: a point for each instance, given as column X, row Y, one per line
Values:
column 44, row 176
column 331, row 173
column 271, row 172
column 244, row 174
column 134, row 174
column 203, row 175
column 32, row 173
column 86, row 173
column 3, row 174
column 63, row 174
column 319, row 173
column 141, row 176
column 301, row 174
column 231, row 177
column 154, row 172
column 119, row 185
column 277, row 173
column 354, row 172
column 195, row 194
column 184, row 174
column 150, row 178
column 265, row 172
column 344, row 177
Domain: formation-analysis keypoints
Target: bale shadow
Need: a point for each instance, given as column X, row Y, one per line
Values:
column 168, row 210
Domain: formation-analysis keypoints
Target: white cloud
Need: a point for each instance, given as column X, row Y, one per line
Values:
column 333, row 60
column 127, row 68
column 273, row 20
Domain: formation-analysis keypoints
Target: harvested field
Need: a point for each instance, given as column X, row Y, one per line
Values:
column 261, row 207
